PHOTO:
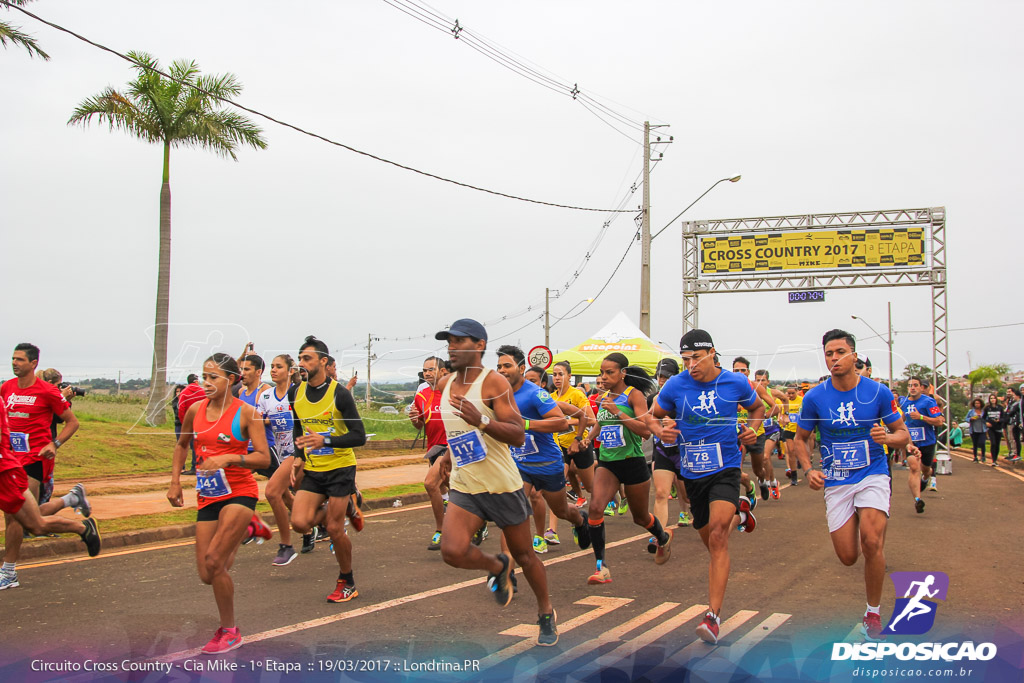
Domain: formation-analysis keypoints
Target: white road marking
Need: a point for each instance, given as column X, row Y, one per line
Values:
column 756, row 635
column 603, row 604
column 630, row 647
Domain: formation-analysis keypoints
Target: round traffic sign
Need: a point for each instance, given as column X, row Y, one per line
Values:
column 540, row 356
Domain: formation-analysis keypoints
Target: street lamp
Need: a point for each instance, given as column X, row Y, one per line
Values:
column 732, row 179
column 888, row 342
column 547, row 318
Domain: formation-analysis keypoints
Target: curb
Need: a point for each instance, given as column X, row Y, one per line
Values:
column 59, row 547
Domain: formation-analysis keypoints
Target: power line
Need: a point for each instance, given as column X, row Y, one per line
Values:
column 514, row 63
column 301, row 130
column 590, row 303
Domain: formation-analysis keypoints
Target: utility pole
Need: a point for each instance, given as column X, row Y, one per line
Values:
column 891, row 385
column 645, row 238
column 118, row 382
column 547, row 318
column 369, row 345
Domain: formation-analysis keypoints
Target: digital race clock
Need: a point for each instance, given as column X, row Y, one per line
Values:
column 807, row 295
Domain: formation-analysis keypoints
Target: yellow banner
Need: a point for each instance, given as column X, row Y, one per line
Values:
column 817, row 250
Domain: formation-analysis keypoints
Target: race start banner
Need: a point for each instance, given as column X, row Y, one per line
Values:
column 816, row 250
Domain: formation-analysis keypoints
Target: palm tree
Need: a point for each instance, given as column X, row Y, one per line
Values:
column 14, row 35
column 168, row 111
column 986, row 373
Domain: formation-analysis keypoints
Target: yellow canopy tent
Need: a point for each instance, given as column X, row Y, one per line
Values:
column 619, row 335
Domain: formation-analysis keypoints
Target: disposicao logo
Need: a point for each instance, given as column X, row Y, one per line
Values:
column 913, row 615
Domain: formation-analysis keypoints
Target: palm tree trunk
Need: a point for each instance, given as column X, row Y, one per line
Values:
column 159, row 398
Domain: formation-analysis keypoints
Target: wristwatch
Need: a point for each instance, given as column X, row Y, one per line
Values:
column 56, row 444
column 484, row 421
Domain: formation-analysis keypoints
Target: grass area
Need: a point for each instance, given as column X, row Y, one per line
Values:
column 188, row 516
column 103, row 449
column 108, row 409
column 387, row 426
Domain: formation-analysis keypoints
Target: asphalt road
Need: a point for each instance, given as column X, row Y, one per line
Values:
column 788, row 600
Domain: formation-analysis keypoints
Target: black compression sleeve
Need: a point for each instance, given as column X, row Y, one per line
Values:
column 346, row 405
column 296, row 425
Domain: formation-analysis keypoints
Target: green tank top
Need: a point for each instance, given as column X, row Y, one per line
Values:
column 617, row 441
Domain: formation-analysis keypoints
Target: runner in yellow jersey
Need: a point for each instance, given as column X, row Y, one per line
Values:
column 327, row 428
column 577, row 451
column 788, row 422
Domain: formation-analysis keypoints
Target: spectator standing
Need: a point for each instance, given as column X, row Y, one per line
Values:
column 192, row 393
column 993, row 414
column 976, row 417
column 1011, row 417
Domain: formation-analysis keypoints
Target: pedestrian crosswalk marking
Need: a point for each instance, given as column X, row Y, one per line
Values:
column 757, row 634
column 605, row 605
column 630, row 647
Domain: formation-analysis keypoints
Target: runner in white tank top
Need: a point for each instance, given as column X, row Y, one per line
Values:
column 481, row 421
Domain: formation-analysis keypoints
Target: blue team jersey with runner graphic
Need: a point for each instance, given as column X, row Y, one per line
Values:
column 705, row 415
column 921, row 433
column 844, row 420
column 539, row 454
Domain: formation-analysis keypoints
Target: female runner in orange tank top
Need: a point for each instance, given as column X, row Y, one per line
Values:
column 226, row 490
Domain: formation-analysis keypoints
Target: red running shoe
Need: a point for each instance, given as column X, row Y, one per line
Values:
column 343, row 592
column 355, row 515
column 872, row 627
column 224, row 640
column 258, row 531
column 748, row 525
column 707, row 630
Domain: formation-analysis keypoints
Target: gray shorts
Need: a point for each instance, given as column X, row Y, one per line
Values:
column 504, row 509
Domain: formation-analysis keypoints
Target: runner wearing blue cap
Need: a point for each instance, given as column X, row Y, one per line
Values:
column 481, row 421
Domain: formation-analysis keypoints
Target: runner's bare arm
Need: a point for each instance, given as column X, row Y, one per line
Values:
column 898, row 435
column 755, row 416
column 554, row 420
column 253, row 426
column 49, row 451
column 507, row 425
column 637, row 425
column 801, row 448
column 181, row 448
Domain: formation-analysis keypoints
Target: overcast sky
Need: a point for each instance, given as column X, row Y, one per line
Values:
column 821, row 106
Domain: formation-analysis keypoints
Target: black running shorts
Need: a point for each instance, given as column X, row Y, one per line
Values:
column 927, row 455
column 583, row 458
column 629, row 471
column 339, row 483
column 722, row 485
column 211, row 513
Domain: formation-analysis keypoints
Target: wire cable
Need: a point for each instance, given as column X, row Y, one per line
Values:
column 303, row 131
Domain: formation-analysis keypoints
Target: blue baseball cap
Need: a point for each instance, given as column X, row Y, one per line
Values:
column 463, row 327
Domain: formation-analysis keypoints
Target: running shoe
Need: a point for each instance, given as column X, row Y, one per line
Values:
column 707, row 630
column 652, row 545
column 623, row 508
column 685, row 519
column 224, row 640
column 8, row 580
column 581, row 533
column 258, row 531
column 435, row 541
column 672, row 495
column 600, row 575
column 751, row 498
column 609, row 510
column 515, row 584
column 444, row 504
column 548, row 635
column 773, row 489
column 581, row 503
column 931, row 485
column 871, row 627
column 746, row 507
column 551, row 537
column 91, row 537
column 308, row 543
column 355, row 515
column 919, row 505
column 664, row 551
column 499, row 583
column 480, row 535
column 792, row 477
column 285, row 555
column 83, row 507
column 540, row 546
column 975, row 458
column 763, row 485
column 343, row 592
column 573, row 498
